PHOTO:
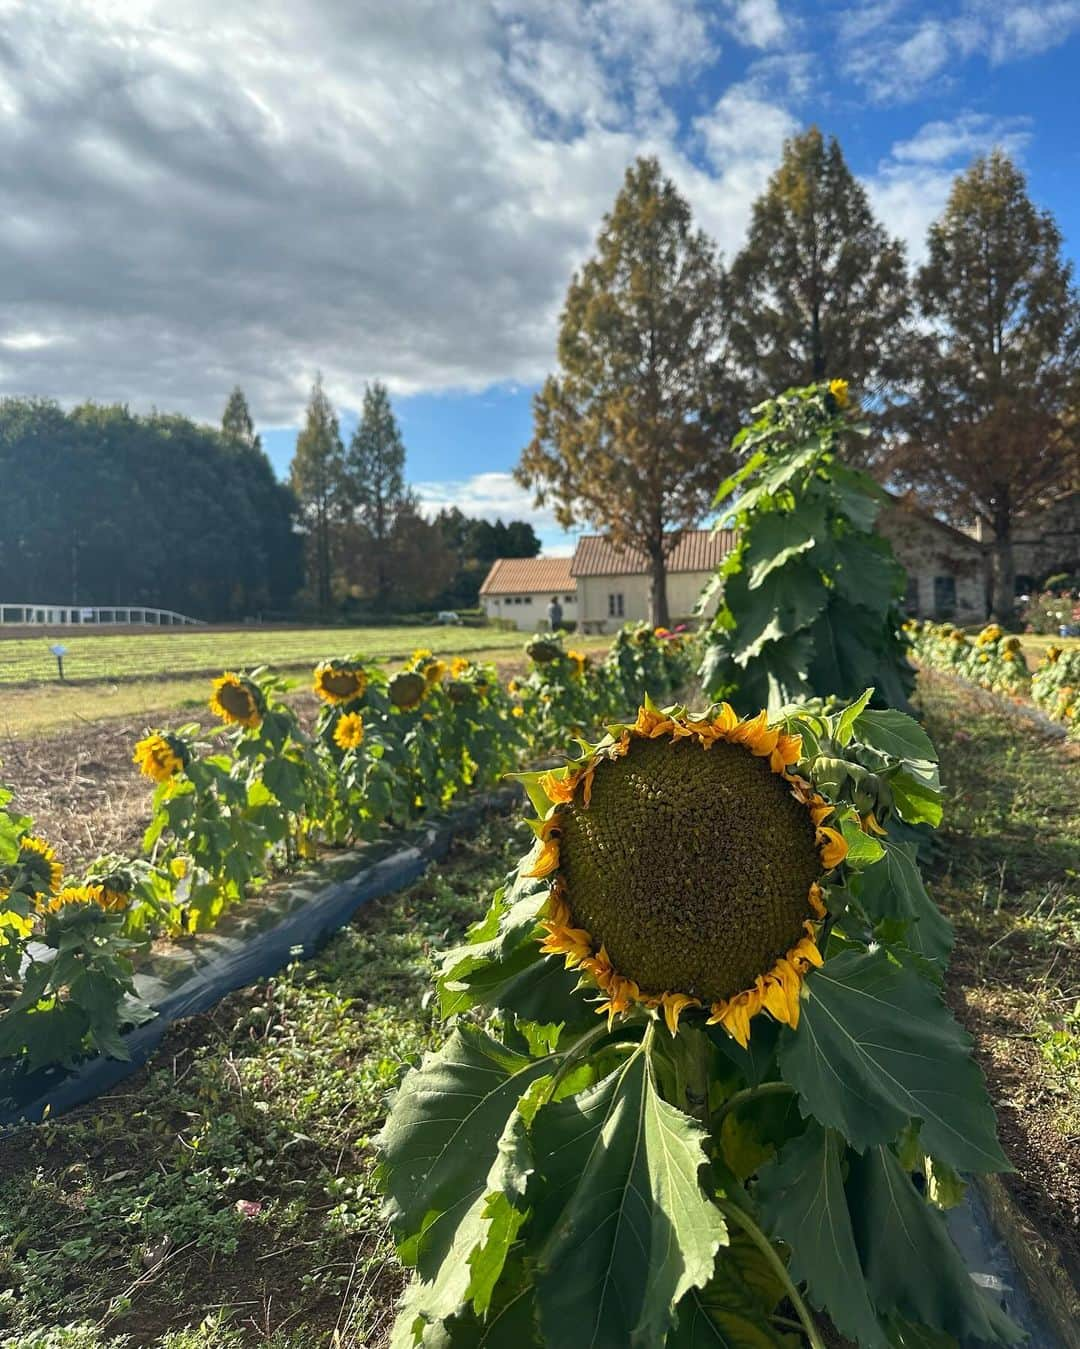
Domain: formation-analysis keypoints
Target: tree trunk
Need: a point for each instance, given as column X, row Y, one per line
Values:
column 1004, row 594
column 658, row 605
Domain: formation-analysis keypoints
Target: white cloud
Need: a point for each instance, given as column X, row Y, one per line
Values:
column 897, row 50
column 199, row 196
column 758, row 23
column 911, row 185
column 496, row 496
column 963, row 137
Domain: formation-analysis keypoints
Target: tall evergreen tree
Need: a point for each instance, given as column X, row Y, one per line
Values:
column 318, row 478
column 376, row 472
column 236, row 423
column 631, row 435
column 819, row 290
column 992, row 421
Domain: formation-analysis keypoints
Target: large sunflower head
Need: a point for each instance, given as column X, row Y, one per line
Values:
column 349, row 731
column 686, row 863
column 160, row 756
column 38, row 859
column 237, row 700
column 406, row 689
column 340, row 681
column 543, row 650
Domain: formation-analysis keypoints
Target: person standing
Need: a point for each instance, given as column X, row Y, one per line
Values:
column 554, row 614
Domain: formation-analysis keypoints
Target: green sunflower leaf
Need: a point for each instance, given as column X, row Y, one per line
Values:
column 802, row 1201
column 778, row 537
column 785, row 602
column 443, row 1137
column 893, row 888
column 895, row 734
column 622, row 1228
column 875, row 1048
column 911, row 1265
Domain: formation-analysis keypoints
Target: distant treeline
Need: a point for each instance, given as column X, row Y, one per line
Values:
column 99, row 506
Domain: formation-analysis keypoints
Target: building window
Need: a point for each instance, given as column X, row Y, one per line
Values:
column 527, row 600
column 615, row 606
column 944, row 596
column 568, row 599
column 911, row 598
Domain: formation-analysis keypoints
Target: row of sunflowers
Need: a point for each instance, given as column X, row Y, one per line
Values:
column 234, row 809
column 995, row 660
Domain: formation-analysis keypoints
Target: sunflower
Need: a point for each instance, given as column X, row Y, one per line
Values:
column 159, row 756
column 111, row 900
column 1053, row 654
column 685, row 862
column 459, row 665
column 38, row 858
column 990, row 634
column 406, row 690
column 839, row 390
column 543, row 650
column 433, row 672
column 421, row 654
column 237, row 700
column 349, row 732
column 580, row 662
column 340, row 681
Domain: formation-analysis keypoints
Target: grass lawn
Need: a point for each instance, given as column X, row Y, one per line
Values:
column 123, row 1219
column 1035, row 644
column 49, row 707
column 122, row 656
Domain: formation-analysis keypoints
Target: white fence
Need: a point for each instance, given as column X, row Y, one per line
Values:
column 79, row 615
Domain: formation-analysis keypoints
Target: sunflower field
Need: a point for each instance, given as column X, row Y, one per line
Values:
column 995, row 661
column 385, row 751
column 694, row 1083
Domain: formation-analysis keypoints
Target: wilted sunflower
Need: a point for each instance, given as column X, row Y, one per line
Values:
column 349, row 732
column 39, row 859
column 159, row 756
column 543, row 650
column 406, row 690
column 340, row 681
column 237, row 700
column 104, row 898
column 686, row 865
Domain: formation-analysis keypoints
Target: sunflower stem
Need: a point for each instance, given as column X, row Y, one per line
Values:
column 768, row 1250
column 577, row 1051
column 749, row 1094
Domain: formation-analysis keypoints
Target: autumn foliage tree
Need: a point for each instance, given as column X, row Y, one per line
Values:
column 991, row 423
column 819, row 290
column 631, row 434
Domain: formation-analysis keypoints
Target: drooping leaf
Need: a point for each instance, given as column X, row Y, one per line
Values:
column 875, row 1048
column 622, row 1226
column 786, row 601
column 911, row 1265
column 732, row 1310
column 443, row 1137
column 893, row 888
column 802, row 1201
column 895, row 734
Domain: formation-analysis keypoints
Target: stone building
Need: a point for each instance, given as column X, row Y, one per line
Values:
column 948, row 570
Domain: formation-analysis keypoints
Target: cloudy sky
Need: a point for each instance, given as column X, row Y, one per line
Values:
column 198, row 194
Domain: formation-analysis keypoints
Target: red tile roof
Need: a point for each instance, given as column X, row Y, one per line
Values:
column 529, row 576
column 697, row 550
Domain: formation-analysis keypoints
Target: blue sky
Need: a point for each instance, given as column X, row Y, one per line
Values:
column 204, row 195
